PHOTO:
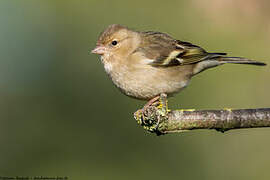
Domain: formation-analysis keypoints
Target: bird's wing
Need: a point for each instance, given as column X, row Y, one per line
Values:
column 163, row 50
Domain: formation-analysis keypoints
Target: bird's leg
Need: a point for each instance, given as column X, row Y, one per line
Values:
column 163, row 106
column 151, row 102
column 150, row 115
column 143, row 111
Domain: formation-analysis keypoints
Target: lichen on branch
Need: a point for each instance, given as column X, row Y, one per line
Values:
column 159, row 119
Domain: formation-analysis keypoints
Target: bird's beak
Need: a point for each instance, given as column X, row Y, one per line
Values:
column 99, row 50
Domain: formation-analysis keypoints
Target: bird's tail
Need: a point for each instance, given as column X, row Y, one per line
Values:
column 216, row 59
column 236, row 60
column 240, row 60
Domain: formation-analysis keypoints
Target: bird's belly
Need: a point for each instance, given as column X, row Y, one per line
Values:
column 147, row 84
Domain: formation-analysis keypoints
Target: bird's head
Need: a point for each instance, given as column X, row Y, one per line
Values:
column 116, row 40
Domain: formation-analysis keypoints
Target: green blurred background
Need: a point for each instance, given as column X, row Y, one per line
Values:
column 60, row 114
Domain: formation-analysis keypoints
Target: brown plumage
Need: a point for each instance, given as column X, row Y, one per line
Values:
column 145, row 64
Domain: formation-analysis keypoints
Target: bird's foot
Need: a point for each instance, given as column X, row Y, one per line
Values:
column 146, row 116
column 145, row 110
column 151, row 102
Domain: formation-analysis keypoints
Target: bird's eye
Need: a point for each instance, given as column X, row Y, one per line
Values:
column 114, row 43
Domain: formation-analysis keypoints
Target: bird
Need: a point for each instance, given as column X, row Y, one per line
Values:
column 146, row 64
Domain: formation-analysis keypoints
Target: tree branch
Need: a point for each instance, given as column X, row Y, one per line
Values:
column 159, row 119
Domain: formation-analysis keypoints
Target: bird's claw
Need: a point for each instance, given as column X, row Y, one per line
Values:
column 148, row 117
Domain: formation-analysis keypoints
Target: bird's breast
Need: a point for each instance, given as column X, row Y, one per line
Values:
column 145, row 81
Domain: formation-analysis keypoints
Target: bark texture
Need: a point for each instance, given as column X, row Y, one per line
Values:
column 158, row 119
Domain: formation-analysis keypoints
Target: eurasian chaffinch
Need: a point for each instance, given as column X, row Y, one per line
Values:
column 145, row 64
